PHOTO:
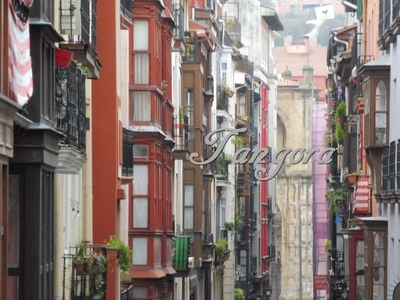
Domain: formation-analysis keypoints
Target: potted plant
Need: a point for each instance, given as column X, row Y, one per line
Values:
column 81, row 261
column 220, row 248
column 335, row 196
column 124, row 252
column 238, row 294
column 239, row 141
column 328, row 245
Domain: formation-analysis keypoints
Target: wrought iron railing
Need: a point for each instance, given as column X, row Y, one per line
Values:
column 126, row 8
column 211, row 5
column 385, row 169
column 71, row 106
column 233, row 27
column 127, row 294
column 392, row 166
column 85, row 273
column 94, row 25
column 85, row 21
column 179, row 17
column 396, row 9
column 127, row 153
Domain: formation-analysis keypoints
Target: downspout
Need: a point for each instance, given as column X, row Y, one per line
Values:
column 349, row 5
column 341, row 41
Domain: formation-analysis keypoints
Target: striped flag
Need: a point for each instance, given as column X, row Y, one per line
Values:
column 361, row 196
column 325, row 12
column 20, row 67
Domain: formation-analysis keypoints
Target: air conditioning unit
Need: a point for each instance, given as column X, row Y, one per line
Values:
column 190, row 262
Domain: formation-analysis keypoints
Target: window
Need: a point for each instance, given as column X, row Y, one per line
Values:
column 140, row 194
column 189, row 111
column 140, row 293
column 380, row 114
column 141, row 106
column 139, row 251
column 140, row 151
column 189, row 206
column 141, row 51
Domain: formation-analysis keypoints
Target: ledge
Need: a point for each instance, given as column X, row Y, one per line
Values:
column 70, row 160
column 147, row 274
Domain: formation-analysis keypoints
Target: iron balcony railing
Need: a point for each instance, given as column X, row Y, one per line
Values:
column 127, row 294
column 211, row 5
column 234, row 28
column 126, row 8
column 71, row 106
column 85, row 273
column 85, row 21
column 181, row 134
column 179, row 17
column 384, row 16
column 94, row 25
column 127, row 153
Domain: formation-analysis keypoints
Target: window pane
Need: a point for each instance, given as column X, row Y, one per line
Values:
column 139, row 251
column 380, row 128
column 141, row 106
column 188, row 218
column 139, row 293
column 141, row 175
column 380, row 97
column 141, row 35
column 141, row 68
column 140, row 150
column 157, row 251
column 140, row 212
column 189, row 195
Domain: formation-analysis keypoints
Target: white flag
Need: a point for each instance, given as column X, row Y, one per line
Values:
column 325, row 12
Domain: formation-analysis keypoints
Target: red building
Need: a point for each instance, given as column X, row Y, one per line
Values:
column 151, row 111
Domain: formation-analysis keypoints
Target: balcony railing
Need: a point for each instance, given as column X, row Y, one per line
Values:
column 87, row 32
column 233, row 27
column 126, row 8
column 179, row 17
column 211, row 5
column 71, row 106
column 127, row 153
column 127, row 294
column 85, row 273
column 182, row 134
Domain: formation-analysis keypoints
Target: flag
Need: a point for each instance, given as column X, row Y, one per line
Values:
column 325, row 12
column 19, row 62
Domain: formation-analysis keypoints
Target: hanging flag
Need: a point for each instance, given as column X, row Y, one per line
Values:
column 325, row 12
column 19, row 55
column 361, row 196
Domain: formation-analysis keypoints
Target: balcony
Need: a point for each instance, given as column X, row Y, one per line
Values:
column 127, row 155
column 233, row 27
column 127, row 294
column 181, row 134
column 179, row 18
column 71, row 118
column 85, row 272
column 80, row 32
column 126, row 8
column 222, row 166
column 391, row 173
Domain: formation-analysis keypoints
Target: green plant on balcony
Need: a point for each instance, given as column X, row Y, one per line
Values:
column 238, row 294
column 85, row 70
column 339, row 133
column 335, row 197
column 341, row 112
column 189, row 49
column 222, row 101
column 239, row 141
column 328, row 245
column 124, row 256
column 220, row 247
column 230, row 21
column 236, row 226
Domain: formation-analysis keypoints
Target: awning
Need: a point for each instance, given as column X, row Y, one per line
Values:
column 20, row 67
column 361, row 196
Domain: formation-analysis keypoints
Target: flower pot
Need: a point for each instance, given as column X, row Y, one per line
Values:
column 63, row 57
column 352, row 178
column 79, row 268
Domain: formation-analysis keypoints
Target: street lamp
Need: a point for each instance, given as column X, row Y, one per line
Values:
column 268, row 292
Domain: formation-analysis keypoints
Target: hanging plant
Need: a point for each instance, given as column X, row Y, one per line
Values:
column 335, row 197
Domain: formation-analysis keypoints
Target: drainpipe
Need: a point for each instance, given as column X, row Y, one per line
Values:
column 349, row 5
column 341, row 41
